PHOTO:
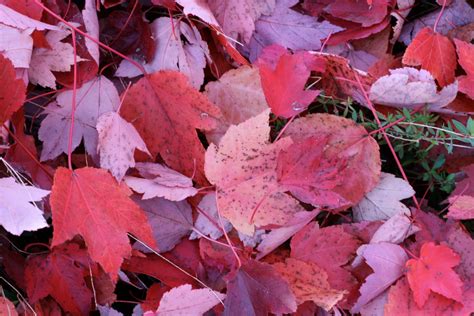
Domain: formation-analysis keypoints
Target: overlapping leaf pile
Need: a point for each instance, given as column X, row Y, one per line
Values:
column 140, row 150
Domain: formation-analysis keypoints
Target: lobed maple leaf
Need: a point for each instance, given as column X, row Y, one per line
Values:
column 433, row 272
column 309, row 283
column 433, row 52
column 94, row 98
column 256, row 288
column 117, row 142
column 185, row 301
column 90, row 203
column 160, row 181
column 284, row 84
column 178, row 112
column 361, row 12
column 58, row 57
column 12, row 90
column 17, row 214
column 244, row 170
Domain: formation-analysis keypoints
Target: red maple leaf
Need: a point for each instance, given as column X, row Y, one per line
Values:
column 90, row 203
column 166, row 111
column 12, row 90
column 433, row 52
column 433, row 272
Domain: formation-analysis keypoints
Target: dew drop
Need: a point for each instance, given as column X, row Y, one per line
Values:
column 297, row 106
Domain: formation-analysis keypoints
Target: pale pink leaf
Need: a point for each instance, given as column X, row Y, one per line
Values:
column 171, row 53
column 44, row 60
column 94, row 98
column 289, row 29
column 161, row 181
column 278, row 236
column 117, row 142
column 409, row 88
column 17, row 214
column 10, row 17
column 239, row 95
column 91, row 22
column 383, row 201
column 462, row 207
column 184, row 301
column 16, row 45
column 200, row 9
column 203, row 224
column 237, row 17
column 388, row 262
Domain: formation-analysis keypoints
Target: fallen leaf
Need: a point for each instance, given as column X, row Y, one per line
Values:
column 90, row 203
column 433, row 52
column 465, row 53
column 160, row 181
column 59, row 57
column 239, row 95
column 178, row 112
column 243, row 168
column 171, row 53
column 309, row 283
column 184, row 301
column 335, row 174
column 60, row 274
column 461, row 207
column 256, row 288
column 383, row 202
column 170, row 221
column 278, row 236
column 12, row 90
column 359, row 11
column 16, row 45
column 10, row 17
column 203, row 224
column 411, row 88
column 330, row 248
column 388, row 262
column 117, row 142
column 289, row 29
column 284, row 84
column 91, row 23
column 458, row 13
column 17, row 214
column 433, row 272
column 400, row 302
column 94, row 98
column 7, row 307
column 237, row 17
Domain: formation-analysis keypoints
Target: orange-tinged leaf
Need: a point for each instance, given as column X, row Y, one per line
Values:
column 433, row 272
column 12, row 90
column 90, row 203
column 309, row 283
column 433, row 52
column 166, row 111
